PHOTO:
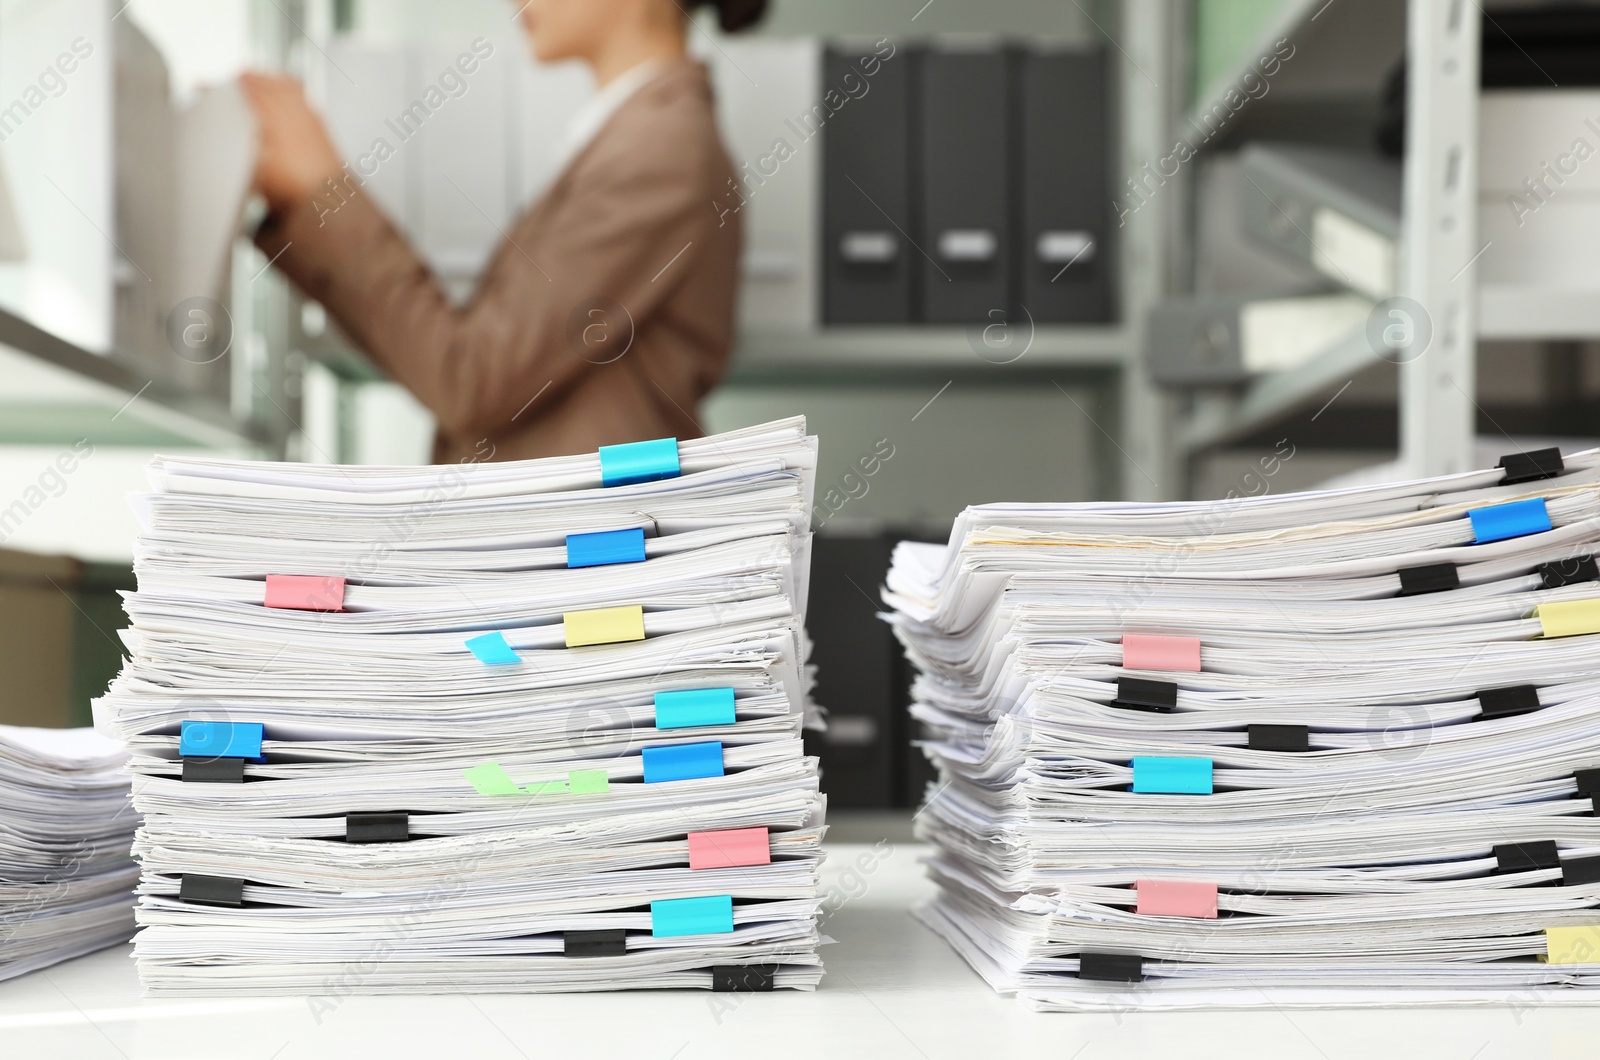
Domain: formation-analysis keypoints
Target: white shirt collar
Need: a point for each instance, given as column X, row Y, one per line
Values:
column 593, row 115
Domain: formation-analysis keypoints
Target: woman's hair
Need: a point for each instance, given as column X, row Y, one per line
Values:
column 734, row 15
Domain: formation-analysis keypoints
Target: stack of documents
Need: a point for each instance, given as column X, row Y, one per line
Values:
column 66, row 878
column 1324, row 748
column 513, row 726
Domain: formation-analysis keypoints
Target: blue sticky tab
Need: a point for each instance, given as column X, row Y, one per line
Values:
column 623, row 465
column 220, row 739
column 492, row 650
column 694, row 706
column 1172, row 776
column 1517, row 519
column 691, row 916
column 605, row 548
column 682, row 761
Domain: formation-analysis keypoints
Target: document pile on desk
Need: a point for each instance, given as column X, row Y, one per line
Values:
column 1317, row 749
column 66, row 878
column 488, row 727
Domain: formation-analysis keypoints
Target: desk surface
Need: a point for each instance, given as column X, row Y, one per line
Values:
column 893, row 991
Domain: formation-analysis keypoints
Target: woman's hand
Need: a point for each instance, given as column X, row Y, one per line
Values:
column 296, row 155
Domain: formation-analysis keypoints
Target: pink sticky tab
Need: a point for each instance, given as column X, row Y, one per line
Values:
column 729, row 849
column 1176, row 898
column 1142, row 651
column 299, row 592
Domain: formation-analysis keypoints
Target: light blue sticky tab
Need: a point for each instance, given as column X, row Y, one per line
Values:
column 1517, row 519
column 492, row 650
column 691, row 916
column 694, row 706
column 220, row 739
column 605, row 548
column 1172, row 776
column 682, row 761
column 623, row 465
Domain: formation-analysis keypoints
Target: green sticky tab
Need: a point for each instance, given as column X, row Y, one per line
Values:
column 490, row 779
column 588, row 781
column 546, row 787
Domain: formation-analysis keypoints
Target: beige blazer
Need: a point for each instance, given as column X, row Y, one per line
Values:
column 604, row 317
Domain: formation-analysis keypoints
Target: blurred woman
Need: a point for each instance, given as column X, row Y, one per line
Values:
column 607, row 312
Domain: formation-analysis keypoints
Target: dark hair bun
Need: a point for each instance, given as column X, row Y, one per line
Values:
column 734, row 15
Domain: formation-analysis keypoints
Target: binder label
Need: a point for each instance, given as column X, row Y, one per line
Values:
column 302, row 593
column 624, row 465
column 729, row 849
column 1145, row 652
column 691, row 916
column 683, row 761
column 1177, row 898
column 1502, row 521
column 610, row 625
column 694, row 706
column 490, row 779
column 492, row 650
column 219, row 739
column 605, row 548
column 1573, row 945
column 1569, row 618
column 1172, row 776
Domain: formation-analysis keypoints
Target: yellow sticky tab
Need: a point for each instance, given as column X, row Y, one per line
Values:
column 1569, row 618
column 610, row 625
column 1573, row 945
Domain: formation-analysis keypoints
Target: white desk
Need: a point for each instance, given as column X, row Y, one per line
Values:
column 893, row 990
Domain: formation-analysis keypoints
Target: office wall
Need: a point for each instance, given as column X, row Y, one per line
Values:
column 1052, row 18
column 973, row 444
column 55, row 137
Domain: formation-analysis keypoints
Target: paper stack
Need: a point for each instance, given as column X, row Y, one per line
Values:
column 66, row 878
column 515, row 726
column 1316, row 749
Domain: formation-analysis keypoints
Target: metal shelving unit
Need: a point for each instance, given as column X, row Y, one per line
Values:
column 58, row 391
column 1438, row 244
column 108, row 400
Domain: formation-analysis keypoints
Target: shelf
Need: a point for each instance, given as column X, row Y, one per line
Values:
column 932, row 348
column 70, row 393
column 29, row 421
column 1342, row 49
column 1506, row 311
column 1220, row 419
column 1537, row 311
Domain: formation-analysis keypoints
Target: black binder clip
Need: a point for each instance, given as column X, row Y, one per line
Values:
column 1434, row 578
column 1507, row 702
column 213, row 771
column 1530, row 467
column 1588, row 781
column 1111, row 967
column 377, row 827
column 742, row 978
column 210, row 890
column 1141, row 693
column 1577, row 871
column 1574, row 571
column 607, row 942
column 1526, row 857
column 1279, row 737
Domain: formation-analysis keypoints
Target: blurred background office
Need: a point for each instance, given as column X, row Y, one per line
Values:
column 994, row 249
